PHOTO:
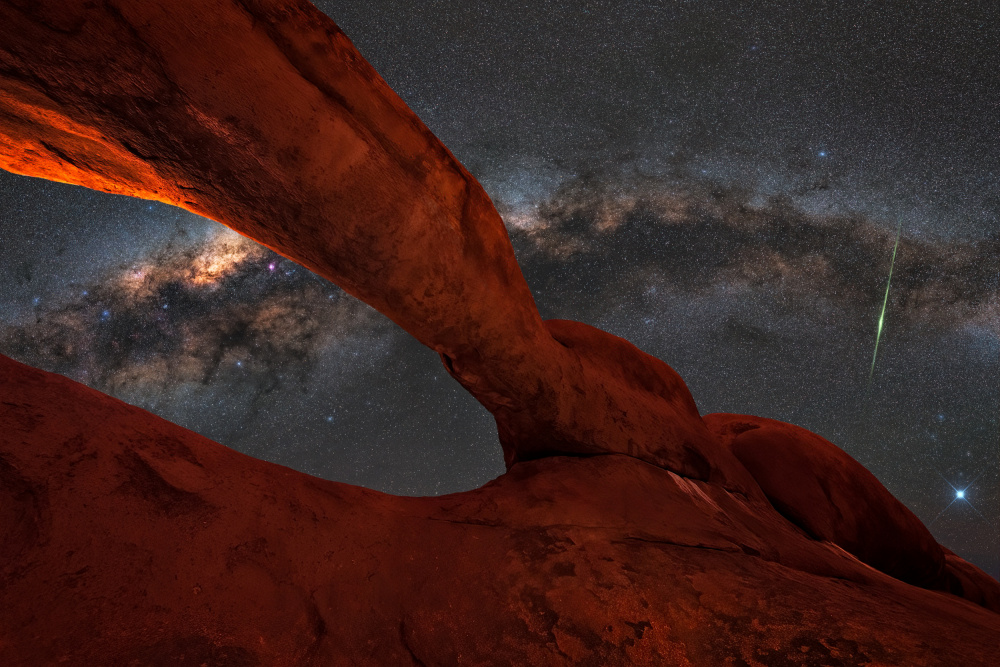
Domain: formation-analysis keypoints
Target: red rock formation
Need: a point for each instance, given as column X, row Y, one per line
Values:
column 130, row 541
column 821, row 489
column 262, row 115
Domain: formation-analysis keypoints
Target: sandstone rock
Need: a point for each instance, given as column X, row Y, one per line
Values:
column 965, row 580
column 263, row 116
column 821, row 489
column 131, row 541
column 135, row 542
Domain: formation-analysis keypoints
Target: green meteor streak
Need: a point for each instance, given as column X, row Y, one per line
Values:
column 885, row 301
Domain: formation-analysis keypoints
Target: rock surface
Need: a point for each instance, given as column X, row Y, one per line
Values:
column 820, row 488
column 131, row 541
column 262, row 115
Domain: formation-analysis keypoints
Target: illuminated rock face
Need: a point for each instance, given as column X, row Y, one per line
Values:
column 831, row 496
column 129, row 540
column 820, row 488
column 262, row 115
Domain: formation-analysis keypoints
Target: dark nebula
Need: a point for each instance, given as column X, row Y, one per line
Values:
column 224, row 310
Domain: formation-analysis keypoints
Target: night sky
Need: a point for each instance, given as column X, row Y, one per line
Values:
column 720, row 183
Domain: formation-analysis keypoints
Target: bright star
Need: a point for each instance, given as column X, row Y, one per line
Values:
column 959, row 496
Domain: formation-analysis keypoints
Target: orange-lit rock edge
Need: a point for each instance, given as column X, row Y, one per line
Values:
column 263, row 116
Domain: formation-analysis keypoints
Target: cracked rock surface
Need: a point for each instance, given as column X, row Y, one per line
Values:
column 263, row 116
column 131, row 541
column 627, row 530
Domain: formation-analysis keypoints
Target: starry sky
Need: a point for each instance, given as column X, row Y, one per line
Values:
column 720, row 183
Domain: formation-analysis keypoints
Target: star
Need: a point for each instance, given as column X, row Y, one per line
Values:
column 959, row 496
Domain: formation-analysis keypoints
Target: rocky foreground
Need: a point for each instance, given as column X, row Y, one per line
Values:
column 131, row 541
column 627, row 529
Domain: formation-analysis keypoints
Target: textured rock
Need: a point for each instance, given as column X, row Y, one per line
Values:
column 262, row 115
column 134, row 542
column 128, row 540
column 821, row 489
column 968, row 581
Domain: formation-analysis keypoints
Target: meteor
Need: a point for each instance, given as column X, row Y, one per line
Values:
column 885, row 301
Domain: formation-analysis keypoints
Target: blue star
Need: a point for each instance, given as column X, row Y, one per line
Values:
column 959, row 496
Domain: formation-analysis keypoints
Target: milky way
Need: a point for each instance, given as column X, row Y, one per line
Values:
column 585, row 241
column 224, row 310
column 722, row 188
